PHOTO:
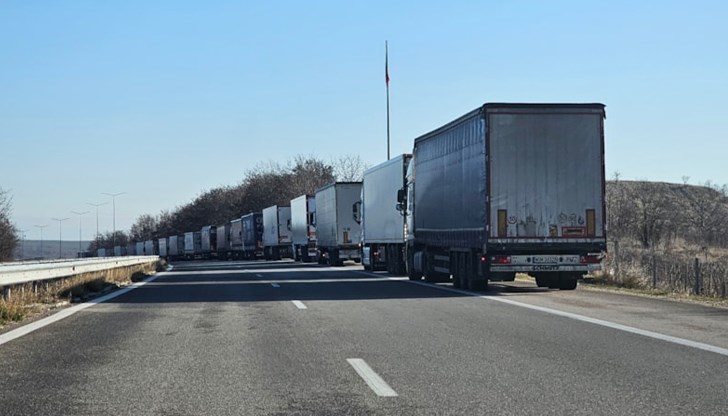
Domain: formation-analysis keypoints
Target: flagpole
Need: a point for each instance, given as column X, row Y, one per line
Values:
column 386, row 75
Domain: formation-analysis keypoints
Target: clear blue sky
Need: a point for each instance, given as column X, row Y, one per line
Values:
column 164, row 99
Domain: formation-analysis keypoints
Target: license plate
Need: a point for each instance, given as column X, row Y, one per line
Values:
column 545, row 259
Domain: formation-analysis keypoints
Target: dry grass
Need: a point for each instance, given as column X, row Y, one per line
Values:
column 22, row 301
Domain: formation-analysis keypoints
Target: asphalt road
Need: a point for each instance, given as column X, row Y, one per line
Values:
column 228, row 339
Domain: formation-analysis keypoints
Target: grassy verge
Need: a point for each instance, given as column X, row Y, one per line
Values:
column 32, row 299
column 634, row 285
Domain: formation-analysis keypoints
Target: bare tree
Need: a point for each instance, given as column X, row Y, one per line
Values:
column 8, row 231
column 308, row 174
column 349, row 168
column 145, row 228
column 705, row 213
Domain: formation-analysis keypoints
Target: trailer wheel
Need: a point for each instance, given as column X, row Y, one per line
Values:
column 567, row 281
column 411, row 272
column 457, row 272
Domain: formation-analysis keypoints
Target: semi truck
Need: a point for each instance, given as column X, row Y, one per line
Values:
column 382, row 224
column 151, row 248
column 252, row 240
column 176, row 247
column 303, row 228
column 223, row 241
column 208, row 238
column 236, row 238
column 506, row 189
column 162, row 244
column 338, row 233
column 277, row 232
column 193, row 244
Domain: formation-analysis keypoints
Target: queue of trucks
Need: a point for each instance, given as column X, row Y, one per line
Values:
column 504, row 189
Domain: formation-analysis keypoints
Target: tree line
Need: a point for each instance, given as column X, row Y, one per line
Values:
column 656, row 214
column 267, row 184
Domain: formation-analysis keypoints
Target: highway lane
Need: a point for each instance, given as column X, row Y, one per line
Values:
column 220, row 338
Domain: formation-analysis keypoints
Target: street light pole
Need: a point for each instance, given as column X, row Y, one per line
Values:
column 41, row 238
column 113, row 204
column 22, row 247
column 80, row 221
column 97, row 217
column 60, row 235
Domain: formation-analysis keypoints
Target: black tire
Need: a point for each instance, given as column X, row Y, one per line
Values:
column 411, row 273
column 543, row 280
column 567, row 281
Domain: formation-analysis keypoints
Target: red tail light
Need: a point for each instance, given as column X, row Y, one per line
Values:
column 589, row 259
column 500, row 259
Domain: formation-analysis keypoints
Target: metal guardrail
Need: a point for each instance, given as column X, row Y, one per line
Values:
column 18, row 273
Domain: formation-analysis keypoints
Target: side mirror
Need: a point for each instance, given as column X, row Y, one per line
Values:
column 401, row 196
column 312, row 218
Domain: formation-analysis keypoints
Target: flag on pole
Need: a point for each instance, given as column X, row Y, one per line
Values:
column 386, row 64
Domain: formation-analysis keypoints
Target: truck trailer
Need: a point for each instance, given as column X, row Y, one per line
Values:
column 223, row 241
column 208, row 236
column 252, row 235
column 162, row 244
column 277, row 232
column 338, row 233
column 193, row 244
column 506, row 189
column 151, row 248
column 382, row 224
column 176, row 247
column 303, row 228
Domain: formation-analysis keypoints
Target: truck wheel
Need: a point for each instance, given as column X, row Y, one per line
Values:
column 543, row 280
column 567, row 281
column 411, row 272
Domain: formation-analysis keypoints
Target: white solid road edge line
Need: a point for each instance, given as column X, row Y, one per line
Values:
column 299, row 304
column 65, row 313
column 376, row 383
column 582, row 318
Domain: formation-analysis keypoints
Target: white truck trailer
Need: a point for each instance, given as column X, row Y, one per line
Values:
column 193, row 244
column 382, row 224
column 303, row 228
column 338, row 233
column 208, row 238
column 162, row 244
column 223, row 241
column 508, row 188
column 176, row 247
column 277, row 232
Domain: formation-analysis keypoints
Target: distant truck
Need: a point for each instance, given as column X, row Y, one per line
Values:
column 193, row 244
column 382, row 224
column 303, row 228
column 151, row 248
column 338, row 234
column 176, row 247
column 252, row 235
column 162, row 244
column 277, row 232
column 506, row 189
column 208, row 236
column 236, row 239
column 119, row 251
column 223, row 241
